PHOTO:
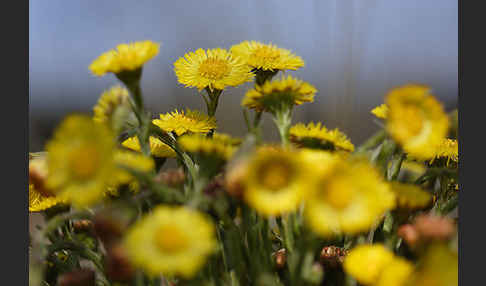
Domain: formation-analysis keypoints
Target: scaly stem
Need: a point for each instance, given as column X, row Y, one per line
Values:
column 283, row 119
column 212, row 104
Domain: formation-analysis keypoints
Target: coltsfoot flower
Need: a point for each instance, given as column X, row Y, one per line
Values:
column 213, row 69
column 416, row 120
column 266, row 56
column 126, row 57
column 381, row 111
column 319, row 137
column 284, row 92
column 410, row 197
column 157, row 147
column 183, row 122
column 349, row 196
column 172, row 241
column 276, row 180
column 366, row 262
column 109, row 102
column 80, row 160
column 395, row 273
column 438, row 266
column 447, row 149
column 127, row 161
column 39, row 201
column 217, row 147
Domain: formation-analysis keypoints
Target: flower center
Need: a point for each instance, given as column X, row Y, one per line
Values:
column 84, row 161
column 339, row 193
column 265, row 53
column 214, row 69
column 275, row 175
column 170, row 239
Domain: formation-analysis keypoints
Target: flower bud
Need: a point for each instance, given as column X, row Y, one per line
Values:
column 80, row 277
column 332, row 256
column 234, row 179
column 409, row 234
column 38, row 175
column 83, row 225
column 117, row 265
column 434, row 227
column 280, row 258
column 172, row 177
column 110, row 224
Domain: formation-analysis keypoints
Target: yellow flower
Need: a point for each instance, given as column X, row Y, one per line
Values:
column 108, row 103
column 266, row 57
column 171, row 241
column 190, row 121
column 126, row 57
column 366, row 262
column 200, row 144
column 157, row 147
column 276, row 180
column 214, row 69
column 39, row 201
column 416, row 120
column 131, row 161
column 438, row 267
column 380, row 111
column 395, row 273
column 319, row 137
column 449, row 149
column 226, row 139
column 348, row 196
column 410, row 197
column 287, row 91
column 80, row 160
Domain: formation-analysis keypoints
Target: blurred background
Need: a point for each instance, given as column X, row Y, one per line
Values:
column 354, row 51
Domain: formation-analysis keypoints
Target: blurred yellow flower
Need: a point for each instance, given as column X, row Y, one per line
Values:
column 287, row 91
column 380, row 111
column 266, row 56
column 276, row 180
column 200, row 144
column 108, row 103
column 126, row 57
column 128, row 160
column 172, row 241
column 80, row 160
column 39, row 201
column 366, row 262
column 348, row 196
column 157, row 147
column 189, row 121
column 410, row 197
column 319, row 137
column 416, row 120
column 396, row 273
column 214, row 69
column 437, row 267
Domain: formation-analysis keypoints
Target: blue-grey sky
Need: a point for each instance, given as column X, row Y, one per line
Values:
column 354, row 50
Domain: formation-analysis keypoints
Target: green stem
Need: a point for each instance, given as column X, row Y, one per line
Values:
column 376, row 139
column 395, row 170
column 283, row 119
column 212, row 105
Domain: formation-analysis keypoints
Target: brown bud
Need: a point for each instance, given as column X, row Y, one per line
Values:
column 117, row 265
column 83, row 225
column 213, row 185
column 409, row 234
column 234, row 178
column 38, row 175
column 80, row 277
column 332, row 256
column 280, row 258
column 434, row 227
column 172, row 177
column 109, row 225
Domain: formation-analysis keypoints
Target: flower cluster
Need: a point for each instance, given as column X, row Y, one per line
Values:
column 312, row 209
